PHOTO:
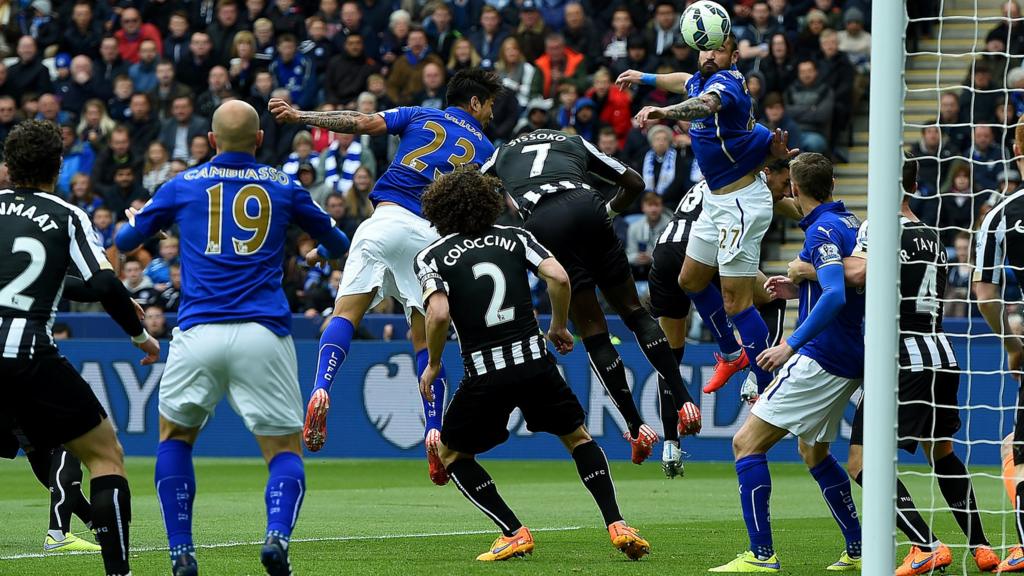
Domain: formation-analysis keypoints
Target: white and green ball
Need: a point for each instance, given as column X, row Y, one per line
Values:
column 705, row 25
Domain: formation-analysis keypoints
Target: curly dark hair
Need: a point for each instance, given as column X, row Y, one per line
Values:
column 33, row 152
column 463, row 202
column 469, row 82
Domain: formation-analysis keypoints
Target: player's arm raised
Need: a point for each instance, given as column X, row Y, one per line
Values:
column 630, row 182
column 344, row 121
column 559, row 292
column 697, row 107
column 674, row 82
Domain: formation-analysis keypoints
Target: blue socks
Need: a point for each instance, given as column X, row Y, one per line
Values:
column 334, row 345
column 754, row 333
column 712, row 310
column 755, row 492
column 176, row 490
column 285, row 489
column 432, row 410
column 835, row 488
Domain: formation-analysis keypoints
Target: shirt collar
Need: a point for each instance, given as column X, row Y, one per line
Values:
column 234, row 158
column 809, row 219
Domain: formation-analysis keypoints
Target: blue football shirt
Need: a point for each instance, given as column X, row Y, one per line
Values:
column 729, row 144
column 233, row 214
column 433, row 142
column 831, row 235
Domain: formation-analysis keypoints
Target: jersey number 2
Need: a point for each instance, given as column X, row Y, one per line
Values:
column 258, row 223
column 495, row 313
column 11, row 296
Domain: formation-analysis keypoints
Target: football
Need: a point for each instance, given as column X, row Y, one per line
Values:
column 704, row 25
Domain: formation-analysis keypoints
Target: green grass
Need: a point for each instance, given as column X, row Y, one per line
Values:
column 368, row 511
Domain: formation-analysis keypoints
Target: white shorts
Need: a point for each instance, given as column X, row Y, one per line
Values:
column 727, row 235
column 806, row 400
column 382, row 255
column 254, row 367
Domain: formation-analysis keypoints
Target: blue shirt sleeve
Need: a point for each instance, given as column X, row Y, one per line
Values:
column 317, row 223
column 397, row 119
column 156, row 215
column 726, row 86
column 827, row 258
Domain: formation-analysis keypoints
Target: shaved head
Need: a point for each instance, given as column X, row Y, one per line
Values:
column 236, row 127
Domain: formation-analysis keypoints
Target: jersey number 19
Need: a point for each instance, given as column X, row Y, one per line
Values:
column 257, row 223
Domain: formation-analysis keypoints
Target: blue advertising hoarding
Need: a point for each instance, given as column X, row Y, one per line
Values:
column 376, row 410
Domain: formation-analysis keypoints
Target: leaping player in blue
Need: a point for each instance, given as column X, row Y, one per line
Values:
column 233, row 324
column 380, row 263
column 731, row 149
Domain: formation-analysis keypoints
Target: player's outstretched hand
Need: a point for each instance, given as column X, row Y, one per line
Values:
column 780, row 145
column 561, row 338
column 283, row 111
column 781, row 287
column 427, row 380
column 773, row 358
column 648, row 113
column 628, row 78
column 152, row 349
column 799, row 271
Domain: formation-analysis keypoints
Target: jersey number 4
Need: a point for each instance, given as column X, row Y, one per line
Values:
column 412, row 159
column 258, row 222
column 495, row 313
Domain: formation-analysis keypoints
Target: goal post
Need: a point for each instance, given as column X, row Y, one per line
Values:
column 885, row 158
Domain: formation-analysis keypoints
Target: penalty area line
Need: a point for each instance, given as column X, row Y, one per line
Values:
column 29, row 555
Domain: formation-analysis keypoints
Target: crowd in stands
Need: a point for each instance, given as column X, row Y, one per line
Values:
column 133, row 84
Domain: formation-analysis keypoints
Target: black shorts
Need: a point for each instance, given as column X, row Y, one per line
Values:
column 667, row 299
column 477, row 417
column 575, row 227
column 927, row 408
column 48, row 400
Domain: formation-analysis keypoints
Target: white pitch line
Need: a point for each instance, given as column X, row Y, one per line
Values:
column 293, row 540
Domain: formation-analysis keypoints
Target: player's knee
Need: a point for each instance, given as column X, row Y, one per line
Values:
column 640, row 323
column 854, row 463
column 813, row 454
column 576, row 438
column 743, row 444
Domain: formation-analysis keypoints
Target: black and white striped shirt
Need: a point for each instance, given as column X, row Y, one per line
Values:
column 1000, row 240
column 485, row 279
column 42, row 238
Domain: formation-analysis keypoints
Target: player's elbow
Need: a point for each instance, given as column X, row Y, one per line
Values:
column 554, row 274
column 856, row 274
column 437, row 309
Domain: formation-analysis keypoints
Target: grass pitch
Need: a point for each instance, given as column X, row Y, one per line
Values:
column 384, row 517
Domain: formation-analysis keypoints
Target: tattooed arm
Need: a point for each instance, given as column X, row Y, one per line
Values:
column 344, row 121
column 697, row 107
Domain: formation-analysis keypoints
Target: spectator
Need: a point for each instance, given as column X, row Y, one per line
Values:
column 568, row 93
column 317, row 48
column 28, row 74
column 302, row 153
column 199, row 151
column 294, row 72
column 266, row 51
column 608, row 144
column 62, row 81
column 95, row 125
column 82, row 195
column 125, row 190
column 517, row 75
column 341, row 159
column 83, row 36
column 753, row 39
column 810, row 104
column 393, row 42
column 177, row 131
column 222, row 31
column 1011, row 29
column 933, row 160
column 854, row 40
column 203, row 12
column 171, row 296
column 306, row 176
column 242, row 66
column 612, row 105
column 159, row 269
column 376, row 13
column 5, row 86
column 118, row 154
column 532, row 32
column 836, row 72
column 775, row 117
column 958, row 276
column 958, row 138
column 636, row 58
column 463, row 56
column 322, row 137
column 487, row 39
column 348, row 72
column 218, row 88
column 49, row 109
column 643, row 234
column 406, row 77
column 337, row 208
column 103, row 224
column 167, row 89
column 119, row 104
column 439, row 29
column 80, row 87
column 157, row 168
column 959, row 205
column 988, row 158
column 143, row 126
column 143, row 72
column 615, row 39
column 155, row 320
column 560, row 63
column 61, row 331
column 832, row 11
column 434, row 89
column 110, row 65
column 8, row 119
column 1009, row 182
column 663, row 30
column 665, row 169
column 586, row 123
column 36, row 21
column 78, row 159
column 779, row 68
column 978, row 99
column 538, row 117
column 285, row 132
column 287, row 18
column 350, row 21
column 176, row 43
column 133, row 32
column 194, row 70
column 376, row 145
column 357, row 199
column 808, row 42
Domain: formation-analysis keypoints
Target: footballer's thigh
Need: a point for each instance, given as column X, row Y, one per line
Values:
column 195, row 376
column 263, row 380
column 99, row 450
column 586, row 313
